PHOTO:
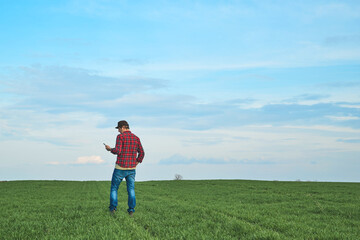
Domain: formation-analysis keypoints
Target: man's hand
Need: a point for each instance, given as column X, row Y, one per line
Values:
column 108, row 147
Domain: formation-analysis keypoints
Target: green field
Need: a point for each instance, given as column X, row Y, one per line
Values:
column 214, row 209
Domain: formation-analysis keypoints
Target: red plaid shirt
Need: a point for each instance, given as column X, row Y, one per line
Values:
column 127, row 147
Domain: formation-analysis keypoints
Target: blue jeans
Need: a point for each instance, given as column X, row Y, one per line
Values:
column 117, row 178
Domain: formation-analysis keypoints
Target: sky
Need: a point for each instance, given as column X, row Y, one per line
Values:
column 260, row 90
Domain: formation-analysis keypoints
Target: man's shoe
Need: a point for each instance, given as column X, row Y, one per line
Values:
column 131, row 214
column 112, row 212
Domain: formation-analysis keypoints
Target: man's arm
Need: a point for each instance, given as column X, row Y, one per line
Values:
column 141, row 152
column 118, row 146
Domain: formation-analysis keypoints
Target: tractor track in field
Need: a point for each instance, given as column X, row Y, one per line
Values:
column 131, row 224
column 224, row 215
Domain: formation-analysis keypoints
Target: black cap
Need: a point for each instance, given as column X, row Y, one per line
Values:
column 122, row 123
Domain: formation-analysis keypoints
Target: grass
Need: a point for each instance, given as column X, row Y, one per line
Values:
column 211, row 209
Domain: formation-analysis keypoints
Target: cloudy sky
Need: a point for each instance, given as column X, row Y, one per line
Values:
column 265, row 90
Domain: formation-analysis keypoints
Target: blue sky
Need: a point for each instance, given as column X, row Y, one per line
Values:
column 215, row 89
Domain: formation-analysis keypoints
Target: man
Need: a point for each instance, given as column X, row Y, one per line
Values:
column 129, row 153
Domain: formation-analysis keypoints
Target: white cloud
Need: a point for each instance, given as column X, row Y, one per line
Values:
column 349, row 106
column 328, row 128
column 67, row 88
column 343, row 118
column 209, row 66
column 89, row 160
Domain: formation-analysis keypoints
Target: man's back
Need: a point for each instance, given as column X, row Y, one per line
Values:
column 128, row 149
